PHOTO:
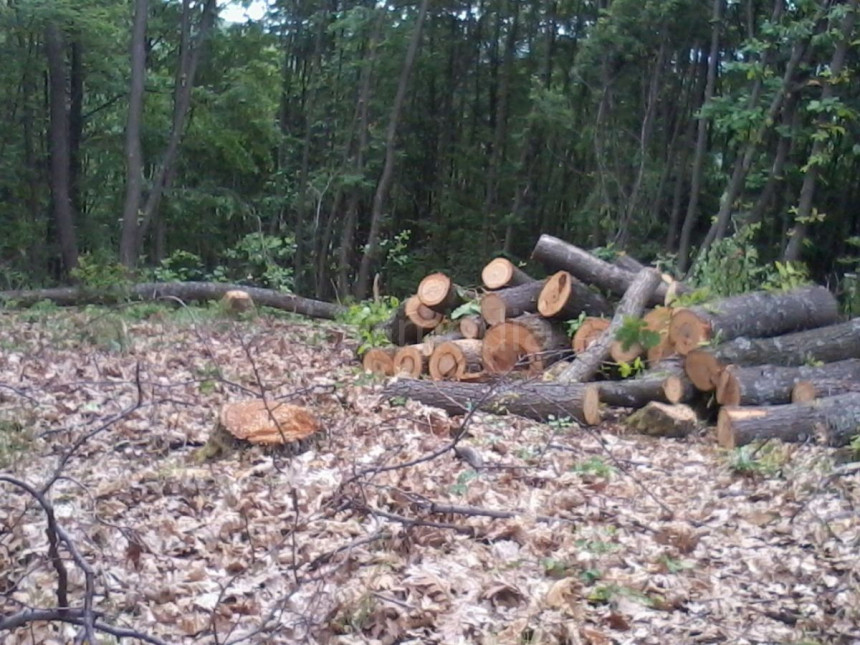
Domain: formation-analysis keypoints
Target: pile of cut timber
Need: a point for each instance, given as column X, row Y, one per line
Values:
column 779, row 362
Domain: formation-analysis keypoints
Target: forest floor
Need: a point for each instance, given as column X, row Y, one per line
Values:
column 608, row 538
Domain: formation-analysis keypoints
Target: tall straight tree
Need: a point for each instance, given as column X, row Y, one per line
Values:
column 64, row 217
column 383, row 187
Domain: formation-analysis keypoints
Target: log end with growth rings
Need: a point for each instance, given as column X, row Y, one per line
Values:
column 421, row 315
column 703, row 369
column 379, row 361
column 727, row 435
column 434, row 290
column 497, row 273
column 493, row 309
column 673, row 388
column 510, row 346
column 588, row 332
column 555, row 294
column 410, row 361
column 728, row 388
column 591, row 405
column 687, row 331
column 452, row 360
column 803, row 392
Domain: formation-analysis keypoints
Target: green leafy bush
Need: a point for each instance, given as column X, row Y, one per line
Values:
column 98, row 272
column 366, row 317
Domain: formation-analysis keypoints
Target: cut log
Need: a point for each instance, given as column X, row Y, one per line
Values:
column 627, row 262
column 632, row 304
column 473, row 327
column 631, row 393
column 663, row 420
column 184, row 291
column 534, row 400
column 528, row 342
column 438, row 292
column 756, row 314
column 824, row 344
column 588, row 332
column 502, row 305
column 236, row 303
column 411, row 361
column 658, row 320
column 771, row 384
column 501, row 272
column 678, row 388
column 409, row 323
column 559, row 255
column 565, row 297
column 833, row 421
column 379, row 360
column 804, row 391
column 452, row 360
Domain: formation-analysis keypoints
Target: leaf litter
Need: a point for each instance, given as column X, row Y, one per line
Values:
column 527, row 533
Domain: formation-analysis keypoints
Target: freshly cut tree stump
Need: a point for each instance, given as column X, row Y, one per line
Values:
column 473, row 327
column 663, row 420
column 437, row 292
column 528, row 342
column 756, row 314
column 379, row 360
column 804, row 391
column 411, row 361
column 825, row 344
column 502, row 305
column 589, row 331
column 534, row 400
column 501, row 272
column 559, row 255
column 834, row 421
column 565, row 297
column 770, row 384
column 452, row 360
column 632, row 304
column 236, row 302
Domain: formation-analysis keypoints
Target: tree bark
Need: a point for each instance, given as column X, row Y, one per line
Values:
column 133, row 155
column 184, row 291
column 539, row 401
column 755, row 314
column 560, row 255
column 632, row 304
column 64, row 217
column 825, row 344
column 512, row 302
column 371, row 250
column 770, row 384
column 834, row 421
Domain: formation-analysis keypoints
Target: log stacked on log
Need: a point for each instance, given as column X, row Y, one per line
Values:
column 765, row 350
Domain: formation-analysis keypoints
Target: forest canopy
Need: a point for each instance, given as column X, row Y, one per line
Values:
column 330, row 141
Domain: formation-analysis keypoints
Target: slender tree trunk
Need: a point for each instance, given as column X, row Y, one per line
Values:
column 701, row 142
column 807, row 191
column 371, row 250
column 76, row 128
column 64, row 216
column 789, row 120
column 128, row 249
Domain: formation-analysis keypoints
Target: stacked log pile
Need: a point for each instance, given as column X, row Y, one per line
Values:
column 780, row 363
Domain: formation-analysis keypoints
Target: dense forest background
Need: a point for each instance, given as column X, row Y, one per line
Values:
column 336, row 139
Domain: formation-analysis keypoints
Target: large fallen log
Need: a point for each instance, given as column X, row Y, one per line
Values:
column 528, row 342
column 833, row 421
column 757, row 314
column 565, row 297
column 502, row 305
column 501, row 272
column 824, row 344
column 632, row 304
column 771, row 384
column 560, row 255
column 534, row 400
column 184, row 291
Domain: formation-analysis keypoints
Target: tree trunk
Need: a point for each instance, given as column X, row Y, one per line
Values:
column 371, row 249
column 513, row 302
column 819, row 143
column 133, row 155
column 701, row 142
column 834, row 421
column 559, row 255
column 825, row 344
column 632, row 304
column 529, row 342
column 185, row 291
column 539, row 401
column 770, row 384
column 64, row 217
column 756, row 314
